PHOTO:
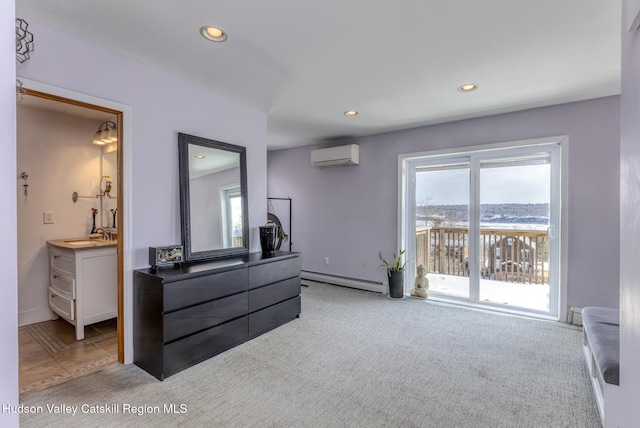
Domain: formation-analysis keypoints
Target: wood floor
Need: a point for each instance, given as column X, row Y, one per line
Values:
column 50, row 355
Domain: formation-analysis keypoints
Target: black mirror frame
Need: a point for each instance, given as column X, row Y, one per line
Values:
column 185, row 210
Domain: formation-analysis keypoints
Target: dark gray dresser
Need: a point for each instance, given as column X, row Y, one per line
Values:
column 183, row 316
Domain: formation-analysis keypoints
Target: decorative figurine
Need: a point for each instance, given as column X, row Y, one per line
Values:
column 421, row 284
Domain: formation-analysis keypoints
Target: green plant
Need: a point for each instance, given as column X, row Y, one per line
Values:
column 394, row 265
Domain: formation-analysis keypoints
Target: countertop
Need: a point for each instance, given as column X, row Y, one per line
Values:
column 78, row 244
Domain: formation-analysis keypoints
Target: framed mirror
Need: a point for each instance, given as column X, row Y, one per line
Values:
column 213, row 198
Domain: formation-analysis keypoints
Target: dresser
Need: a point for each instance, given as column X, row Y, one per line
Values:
column 185, row 315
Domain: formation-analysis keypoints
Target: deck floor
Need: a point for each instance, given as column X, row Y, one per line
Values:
column 528, row 296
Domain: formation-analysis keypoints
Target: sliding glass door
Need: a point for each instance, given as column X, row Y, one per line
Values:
column 442, row 224
column 485, row 225
column 515, row 213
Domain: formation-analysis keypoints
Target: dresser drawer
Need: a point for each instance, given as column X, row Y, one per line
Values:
column 183, row 353
column 189, row 292
column 268, row 295
column 196, row 318
column 63, row 284
column 273, row 316
column 62, row 261
column 268, row 273
column 61, row 305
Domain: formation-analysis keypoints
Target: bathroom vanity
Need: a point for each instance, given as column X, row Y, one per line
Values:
column 184, row 315
column 83, row 287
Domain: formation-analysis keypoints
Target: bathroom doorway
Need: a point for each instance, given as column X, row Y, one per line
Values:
column 53, row 336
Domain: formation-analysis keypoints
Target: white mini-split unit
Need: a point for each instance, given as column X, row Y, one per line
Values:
column 336, row 156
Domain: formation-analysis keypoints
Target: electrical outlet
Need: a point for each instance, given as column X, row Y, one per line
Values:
column 326, row 260
column 48, row 217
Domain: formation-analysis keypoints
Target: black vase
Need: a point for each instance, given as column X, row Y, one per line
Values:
column 396, row 284
column 268, row 235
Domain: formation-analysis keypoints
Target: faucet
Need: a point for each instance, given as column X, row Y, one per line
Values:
column 106, row 235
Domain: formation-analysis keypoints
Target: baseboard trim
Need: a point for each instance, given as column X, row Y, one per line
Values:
column 360, row 284
column 33, row 316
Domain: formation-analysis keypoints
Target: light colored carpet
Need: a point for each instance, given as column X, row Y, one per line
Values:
column 357, row 359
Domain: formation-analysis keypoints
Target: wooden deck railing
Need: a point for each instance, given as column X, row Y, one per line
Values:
column 505, row 254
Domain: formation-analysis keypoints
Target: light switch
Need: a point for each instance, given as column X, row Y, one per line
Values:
column 48, row 217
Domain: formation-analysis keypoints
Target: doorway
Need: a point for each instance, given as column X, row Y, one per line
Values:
column 53, row 333
column 485, row 222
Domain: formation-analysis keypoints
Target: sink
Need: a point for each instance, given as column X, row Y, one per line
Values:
column 82, row 242
column 86, row 242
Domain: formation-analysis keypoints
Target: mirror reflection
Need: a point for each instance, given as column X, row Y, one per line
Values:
column 216, row 205
column 213, row 197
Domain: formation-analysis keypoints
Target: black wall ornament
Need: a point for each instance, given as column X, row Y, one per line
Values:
column 24, row 47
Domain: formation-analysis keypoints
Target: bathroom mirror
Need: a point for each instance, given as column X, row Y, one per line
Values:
column 213, row 198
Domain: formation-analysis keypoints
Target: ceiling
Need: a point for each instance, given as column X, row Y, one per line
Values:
column 399, row 64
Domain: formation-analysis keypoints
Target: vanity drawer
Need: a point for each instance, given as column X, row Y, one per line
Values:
column 61, row 305
column 62, row 261
column 189, row 292
column 63, row 285
column 268, row 273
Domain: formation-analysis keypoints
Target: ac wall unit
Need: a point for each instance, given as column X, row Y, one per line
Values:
column 336, row 156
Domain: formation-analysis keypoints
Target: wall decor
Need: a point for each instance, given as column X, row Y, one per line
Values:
column 24, row 46
column 24, row 40
column 282, row 218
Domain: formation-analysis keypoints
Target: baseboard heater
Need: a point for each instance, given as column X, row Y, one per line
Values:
column 360, row 284
column 574, row 316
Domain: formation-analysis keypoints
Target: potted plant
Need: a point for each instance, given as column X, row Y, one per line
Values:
column 395, row 272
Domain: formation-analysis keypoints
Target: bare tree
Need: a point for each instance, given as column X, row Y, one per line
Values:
column 451, row 216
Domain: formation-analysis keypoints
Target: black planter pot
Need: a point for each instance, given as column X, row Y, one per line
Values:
column 268, row 236
column 396, row 284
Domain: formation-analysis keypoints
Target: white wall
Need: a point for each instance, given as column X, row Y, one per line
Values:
column 57, row 152
column 630, row 226
column 8, row 178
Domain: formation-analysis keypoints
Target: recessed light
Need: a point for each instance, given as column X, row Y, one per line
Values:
column 214, row 34
column 351, row 113
column 468, row 87
column 199, row 156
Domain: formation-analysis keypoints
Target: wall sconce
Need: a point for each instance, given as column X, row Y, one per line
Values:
column 105, row 185
column 107, row 134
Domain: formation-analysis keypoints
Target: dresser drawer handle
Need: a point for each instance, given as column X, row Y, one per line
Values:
column 55, row 276
column 56, row 257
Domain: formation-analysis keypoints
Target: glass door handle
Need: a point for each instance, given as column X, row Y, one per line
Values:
column 551, row 232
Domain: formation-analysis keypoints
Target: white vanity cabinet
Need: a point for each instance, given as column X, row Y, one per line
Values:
column 83, row 286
